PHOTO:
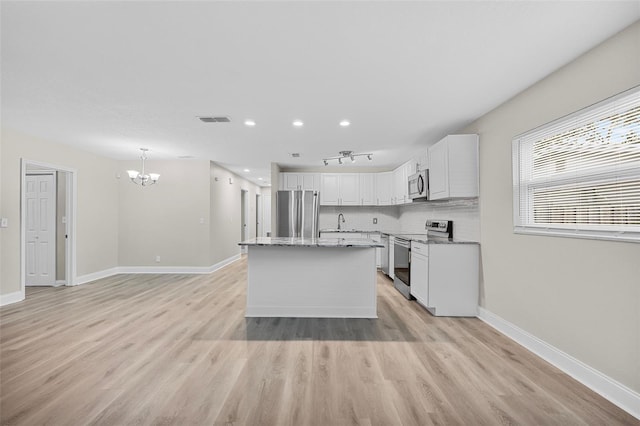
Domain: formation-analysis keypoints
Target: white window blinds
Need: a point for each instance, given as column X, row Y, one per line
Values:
column 580, row 175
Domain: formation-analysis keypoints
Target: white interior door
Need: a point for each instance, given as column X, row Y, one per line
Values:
column 40, row 197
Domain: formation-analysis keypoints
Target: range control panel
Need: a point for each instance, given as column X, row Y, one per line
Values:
column 439, row 228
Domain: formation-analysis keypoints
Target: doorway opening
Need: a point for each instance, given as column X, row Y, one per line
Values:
column 244, row 217
column 47, row 225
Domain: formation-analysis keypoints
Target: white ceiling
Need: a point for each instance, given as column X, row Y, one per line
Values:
column 111, row 77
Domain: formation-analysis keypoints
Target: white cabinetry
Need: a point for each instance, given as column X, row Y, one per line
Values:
column 384, row 188
column 339, row 189
column 397, row 186
column 377, row 238
column 445, row 280
column 368, row 189
column 453, row 167
column 420, row 272
column 330, row 189
column 400, row 183
column 293, row 181
column 392, row 242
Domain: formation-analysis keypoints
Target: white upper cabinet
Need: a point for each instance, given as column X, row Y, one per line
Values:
column 421, row 162
column 453, row 167
column 384, row 188
column 349, row 189
column 368, row 189
column 340, row 189
column 329, row 189
column 293, row 181
column 401, row 183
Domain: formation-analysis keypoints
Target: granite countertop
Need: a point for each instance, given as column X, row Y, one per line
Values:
column 310, row 242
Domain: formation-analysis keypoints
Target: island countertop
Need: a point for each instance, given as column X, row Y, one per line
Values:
column 310, row 242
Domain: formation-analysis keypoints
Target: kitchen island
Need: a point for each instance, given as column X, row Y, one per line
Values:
column 311, row 277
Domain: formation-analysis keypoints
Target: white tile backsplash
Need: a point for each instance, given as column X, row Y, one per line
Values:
column 360, row 218
column 408, row 218
column 465, row 215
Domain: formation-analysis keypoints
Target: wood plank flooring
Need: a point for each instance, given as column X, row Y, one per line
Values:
column 177, row 350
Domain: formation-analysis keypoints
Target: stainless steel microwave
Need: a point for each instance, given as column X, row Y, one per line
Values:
column 419, row 186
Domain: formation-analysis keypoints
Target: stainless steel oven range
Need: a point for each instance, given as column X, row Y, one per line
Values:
column 402, row 266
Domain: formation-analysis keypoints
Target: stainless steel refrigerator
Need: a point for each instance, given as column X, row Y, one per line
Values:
column 297, row 214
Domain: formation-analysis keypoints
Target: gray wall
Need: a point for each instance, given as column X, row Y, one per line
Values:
column 97, row 204
column 581, row 296
column 169, row 219
column 187, row 219
column 225, row 212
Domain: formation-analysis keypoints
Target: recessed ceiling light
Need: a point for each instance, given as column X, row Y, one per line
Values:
column 345, row 123
column 259, row 178
column 298, row 123
column 247, row 170
column 249, row 123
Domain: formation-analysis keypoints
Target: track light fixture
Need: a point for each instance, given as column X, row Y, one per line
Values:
column 344, row 155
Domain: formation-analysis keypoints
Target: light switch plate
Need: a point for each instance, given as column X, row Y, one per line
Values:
column 4, row 222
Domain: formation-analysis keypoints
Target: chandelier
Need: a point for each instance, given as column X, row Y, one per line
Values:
column 346, row 155
column 142, row 178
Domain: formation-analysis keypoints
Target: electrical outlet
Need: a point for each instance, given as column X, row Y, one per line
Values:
column 157, row 259
column 4, row 222
column 375, row 220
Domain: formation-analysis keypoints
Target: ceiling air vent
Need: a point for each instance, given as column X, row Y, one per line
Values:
column 215, row 119
column 295, row 154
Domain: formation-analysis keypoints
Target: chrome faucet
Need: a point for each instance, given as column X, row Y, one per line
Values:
column 340, row 216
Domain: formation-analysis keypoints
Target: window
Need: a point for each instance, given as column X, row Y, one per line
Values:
column 580, row 175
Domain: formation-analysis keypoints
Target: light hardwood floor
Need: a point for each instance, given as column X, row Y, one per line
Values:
column 177, row 350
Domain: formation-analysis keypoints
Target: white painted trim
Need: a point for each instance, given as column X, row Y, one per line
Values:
column 60, row 283
column 7, row 299
column 223, row 263
column 178, row 269
column 83, row 279
column 616, row 392
column 87, row 278
column 311, row 312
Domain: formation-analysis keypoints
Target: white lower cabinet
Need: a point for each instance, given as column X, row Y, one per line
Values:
column 392, row 242
column 445, row 278
column 377, row 238
column 420, row 272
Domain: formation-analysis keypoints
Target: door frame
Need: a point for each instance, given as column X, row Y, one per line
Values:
column 244, row 218
column 258, row 215
column 71, row 206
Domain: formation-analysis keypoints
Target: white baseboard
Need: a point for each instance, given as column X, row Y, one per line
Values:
column 7, row 299
column 83, row 279
column 18, row 296
column 224, row 263
column 616, row 392
column 177, row 269
column 60, row 283
column 310, row 312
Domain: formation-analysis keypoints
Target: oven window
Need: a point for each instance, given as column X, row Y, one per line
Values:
column 401, row 262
